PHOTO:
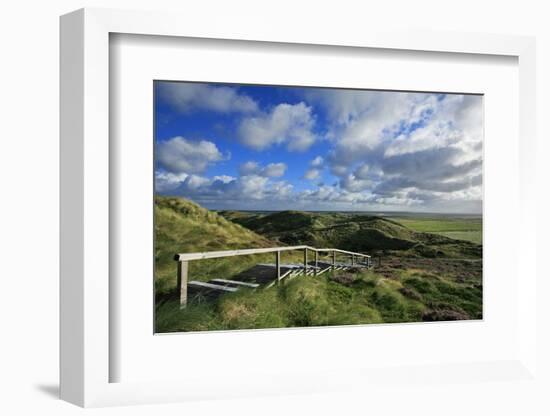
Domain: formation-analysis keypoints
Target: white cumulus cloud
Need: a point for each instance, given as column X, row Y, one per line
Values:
column 286, row 124
column 315, row 169
column 186, row 97
column 317, row 162
column 312, row 174
column 180, row 155
column 271, row 170
column 168, row 181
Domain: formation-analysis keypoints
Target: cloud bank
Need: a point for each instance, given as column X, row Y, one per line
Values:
column 348, row 150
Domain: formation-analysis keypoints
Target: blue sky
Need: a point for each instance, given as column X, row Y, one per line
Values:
column 272, row 148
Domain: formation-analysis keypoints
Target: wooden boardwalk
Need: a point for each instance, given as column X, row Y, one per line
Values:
column 262, row 275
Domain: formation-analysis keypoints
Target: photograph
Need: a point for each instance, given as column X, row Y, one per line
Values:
column 299, row 206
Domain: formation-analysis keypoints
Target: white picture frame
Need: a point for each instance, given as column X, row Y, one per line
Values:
column 85, row 204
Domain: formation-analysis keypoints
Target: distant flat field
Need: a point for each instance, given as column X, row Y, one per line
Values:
column 459, row 228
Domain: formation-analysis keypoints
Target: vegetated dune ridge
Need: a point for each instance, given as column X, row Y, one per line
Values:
column 354, row 232
column 423, row 276
column 181, row 226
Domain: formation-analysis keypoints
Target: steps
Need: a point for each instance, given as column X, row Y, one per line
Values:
column 235, row 283
column 216, row 287
column 211, row 286
column 264, row 274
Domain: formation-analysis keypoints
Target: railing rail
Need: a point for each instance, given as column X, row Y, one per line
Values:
column 248, row 251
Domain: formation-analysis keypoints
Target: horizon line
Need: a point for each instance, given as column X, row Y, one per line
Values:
column 348, row 211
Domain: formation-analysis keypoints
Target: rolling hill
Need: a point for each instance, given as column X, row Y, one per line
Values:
column 354, row 232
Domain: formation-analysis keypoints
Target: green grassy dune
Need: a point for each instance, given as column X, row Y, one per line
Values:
column 338, row 298
column 182, row 226
column 424, row 276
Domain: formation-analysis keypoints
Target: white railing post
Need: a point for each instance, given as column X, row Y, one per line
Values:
column 278, row 265
column 316, row 262
column 183, row 271
column 333, row 260
column 305, row 261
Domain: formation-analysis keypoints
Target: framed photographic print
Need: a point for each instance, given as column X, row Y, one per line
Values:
column 294, row 207
column 281, row 213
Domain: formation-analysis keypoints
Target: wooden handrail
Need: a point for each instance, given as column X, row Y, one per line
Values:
column 248, row 251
